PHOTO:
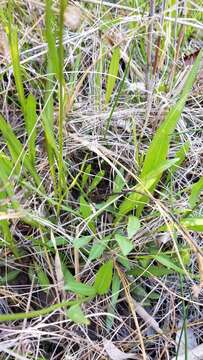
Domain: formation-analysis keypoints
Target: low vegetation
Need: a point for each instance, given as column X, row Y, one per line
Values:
column 101, row 179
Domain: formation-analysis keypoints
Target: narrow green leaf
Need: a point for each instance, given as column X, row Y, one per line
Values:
column 80, row 288
column 169, row 263
column 98, row 248
column 51, row 37
column 6, row 166
column 116, row 284
column 76, row 314
column 151, row 271
column 181, row 155
column 86, row 211
column 85, row 208
column 95, row 182
column 48, row 113
column 10, row 276
column 196, row 190
column 86, row 175
column 112, row 73
column 193, row 223
column 59, row 241
column 133, row 226
column 104, row 278
column 119, row 182
column 16, row 149
column 30, row 122
column 74, row 286
column 7, row 191
column 136, row 199
column 13, row 39
column 124, row 243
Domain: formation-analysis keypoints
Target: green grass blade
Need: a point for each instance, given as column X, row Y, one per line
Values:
column 7, row 191
column 13, row 39
column 51, row 37
column 61, row 99
column 112, row 74
column 30, row 123
column 48, row 125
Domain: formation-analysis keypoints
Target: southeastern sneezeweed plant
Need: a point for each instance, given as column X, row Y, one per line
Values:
column 156, row 156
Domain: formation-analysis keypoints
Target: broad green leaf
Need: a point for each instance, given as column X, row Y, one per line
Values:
column 30, row 122
column 74, row 286
column 82, row 241
column 98, row 248
column 112, row 74
column 133, row 226
column 103, row 278
column 196, row 190
column 123, row 260
column 193, row 223
column 97, row 179
column 158, row 149
column 59, row 241
column 124, row 243
column 169, row 263
column 151, row 271
column 86, row 211
column 80, row 288
column 76, row 314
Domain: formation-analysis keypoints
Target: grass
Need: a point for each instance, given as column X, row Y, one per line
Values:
column 100, row 179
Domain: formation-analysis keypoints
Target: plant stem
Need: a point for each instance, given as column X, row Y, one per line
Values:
column 61, row 97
